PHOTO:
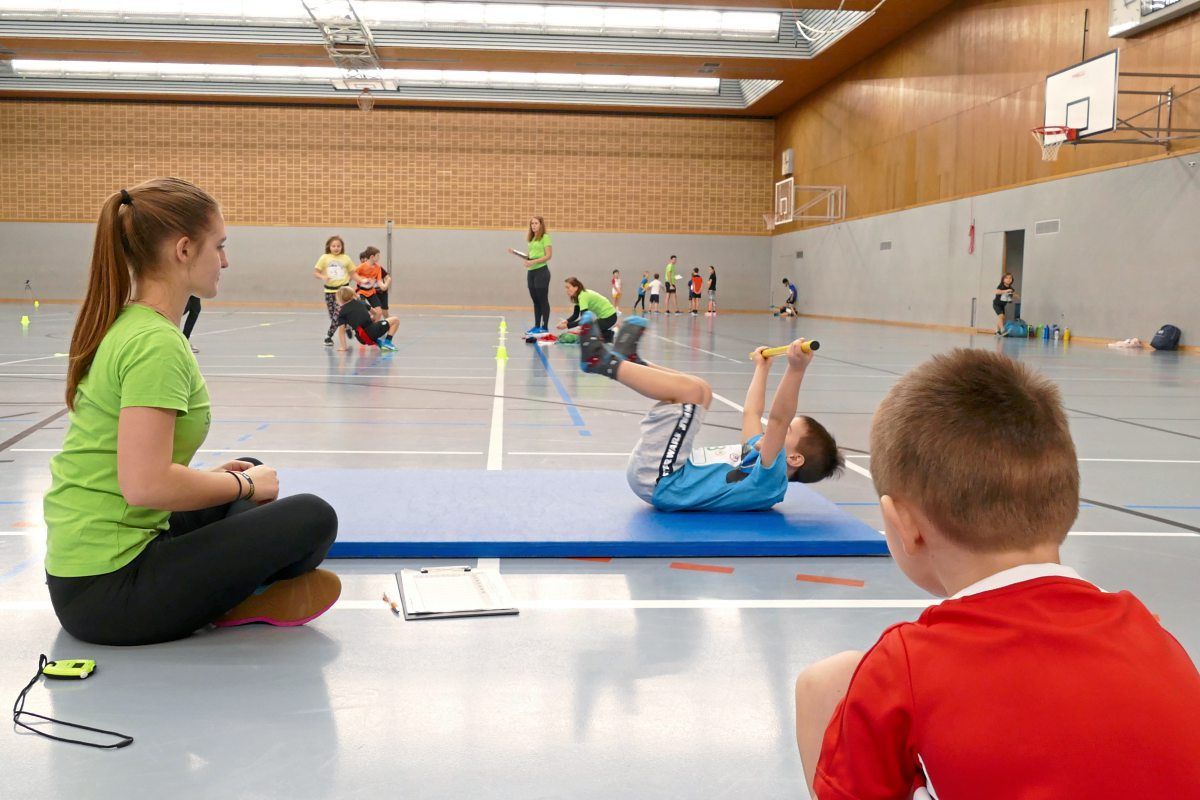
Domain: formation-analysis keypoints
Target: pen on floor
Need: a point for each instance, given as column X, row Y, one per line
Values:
column 392, row 604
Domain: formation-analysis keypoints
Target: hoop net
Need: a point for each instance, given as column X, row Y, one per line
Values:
column 366, row 101
column 769, row 219
column 1051, row 138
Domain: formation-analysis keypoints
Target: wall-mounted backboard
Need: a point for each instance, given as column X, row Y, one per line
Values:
column 1084, row 97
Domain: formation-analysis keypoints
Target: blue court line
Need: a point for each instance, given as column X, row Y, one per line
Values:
column 263, row 427
column 562, row 392
column 16, row 570
column 12, row 502
column 1178, row 508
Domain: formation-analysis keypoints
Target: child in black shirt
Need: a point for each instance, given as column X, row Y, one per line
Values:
column 356, row 315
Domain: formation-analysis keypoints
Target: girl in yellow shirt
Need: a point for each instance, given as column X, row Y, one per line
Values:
column 334, row 270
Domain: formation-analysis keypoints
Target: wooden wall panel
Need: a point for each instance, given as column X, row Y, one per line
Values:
column 283, row 165
column 946, row 110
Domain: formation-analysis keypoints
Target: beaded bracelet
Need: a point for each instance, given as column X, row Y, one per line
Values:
column 249, row 481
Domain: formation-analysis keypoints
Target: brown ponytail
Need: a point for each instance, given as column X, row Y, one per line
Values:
column 133, row 225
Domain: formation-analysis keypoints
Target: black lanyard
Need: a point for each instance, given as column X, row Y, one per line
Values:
column 19, row 711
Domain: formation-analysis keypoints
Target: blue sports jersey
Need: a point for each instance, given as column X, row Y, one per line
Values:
column 791, row 293
column 729, row 478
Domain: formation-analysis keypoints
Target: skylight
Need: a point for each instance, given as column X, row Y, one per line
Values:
column 591, row 20
column 127, row 70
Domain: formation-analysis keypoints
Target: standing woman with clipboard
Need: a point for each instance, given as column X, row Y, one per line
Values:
column 537, row 273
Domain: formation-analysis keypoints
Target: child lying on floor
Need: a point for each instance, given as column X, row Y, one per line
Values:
column 663, row 469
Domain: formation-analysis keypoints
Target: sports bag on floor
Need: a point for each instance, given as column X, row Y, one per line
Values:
column 1167, row 338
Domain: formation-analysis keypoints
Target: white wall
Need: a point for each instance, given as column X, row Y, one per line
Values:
column 432, row 266
column 1126, row 259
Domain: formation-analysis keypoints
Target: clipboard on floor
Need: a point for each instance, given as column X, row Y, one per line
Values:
column 442, row 592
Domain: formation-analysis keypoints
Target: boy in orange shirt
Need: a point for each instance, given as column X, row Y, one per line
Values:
column 369, row 277
column 695, row 286
column 1029, row 681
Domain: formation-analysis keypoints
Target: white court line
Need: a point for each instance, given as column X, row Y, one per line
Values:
column 624, row 453
column 387, row 376
column 702, row 350
column 488, row 564
column 257, row 450
column 1146, row 534
column 1137, row 534
column 244, row 328
column 1143, row 460
column 850, row 465
column 732, row 404
column 24, row 360
column 599, row 605
column 1104, row 460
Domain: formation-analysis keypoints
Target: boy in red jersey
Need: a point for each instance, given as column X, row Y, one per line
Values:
column 1028, row 682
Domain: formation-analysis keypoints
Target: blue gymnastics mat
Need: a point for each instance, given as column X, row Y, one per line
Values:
column 559, row 513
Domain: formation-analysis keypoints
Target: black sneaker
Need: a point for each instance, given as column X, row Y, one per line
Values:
column 329, row 341
column 594, row 355
column 625, row 344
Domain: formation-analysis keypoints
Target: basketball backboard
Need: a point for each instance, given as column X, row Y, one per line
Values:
column 1084, row 97
column 785, row 199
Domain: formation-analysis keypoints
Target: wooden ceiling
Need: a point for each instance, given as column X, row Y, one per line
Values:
column 799, row 77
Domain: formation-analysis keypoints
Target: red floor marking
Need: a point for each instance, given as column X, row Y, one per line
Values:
column 701, row 567
column 835, row 581
column 24, row 525
column 603, row 560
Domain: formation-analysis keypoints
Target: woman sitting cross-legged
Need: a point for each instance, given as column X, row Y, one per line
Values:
column 141, row 548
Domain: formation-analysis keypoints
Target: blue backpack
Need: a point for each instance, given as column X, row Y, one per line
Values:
column 1017, row 328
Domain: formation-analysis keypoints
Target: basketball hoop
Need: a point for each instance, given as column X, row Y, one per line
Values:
column 366, row 101
column 1052, row 137
column 769, row 220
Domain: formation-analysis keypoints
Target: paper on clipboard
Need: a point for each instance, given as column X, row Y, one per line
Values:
column 453, row 592
column 519, row 254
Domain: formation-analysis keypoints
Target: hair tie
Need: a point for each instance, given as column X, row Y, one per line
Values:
column 125, row 198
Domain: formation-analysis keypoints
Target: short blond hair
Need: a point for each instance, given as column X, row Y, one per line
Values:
column 980, row 443
column 345, row 294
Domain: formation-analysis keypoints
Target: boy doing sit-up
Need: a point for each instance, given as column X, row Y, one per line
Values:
column 753, row 476
column 1029, row 681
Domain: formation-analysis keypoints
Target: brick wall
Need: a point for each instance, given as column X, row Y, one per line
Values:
column 298, row 166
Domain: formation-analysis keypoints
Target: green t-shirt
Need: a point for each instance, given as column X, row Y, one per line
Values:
column 596, row 303
column 670, row 274
column 537, row 249
column 143, row 360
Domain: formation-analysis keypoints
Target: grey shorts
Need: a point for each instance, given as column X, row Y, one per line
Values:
column 665, row 445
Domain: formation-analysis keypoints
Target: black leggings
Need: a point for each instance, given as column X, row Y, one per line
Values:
column 538, row 281
column 192, row 309
column 641, row 301
column 205, row 564
column 331, row 305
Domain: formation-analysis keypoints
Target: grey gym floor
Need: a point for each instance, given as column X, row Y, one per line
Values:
column 624, row 679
